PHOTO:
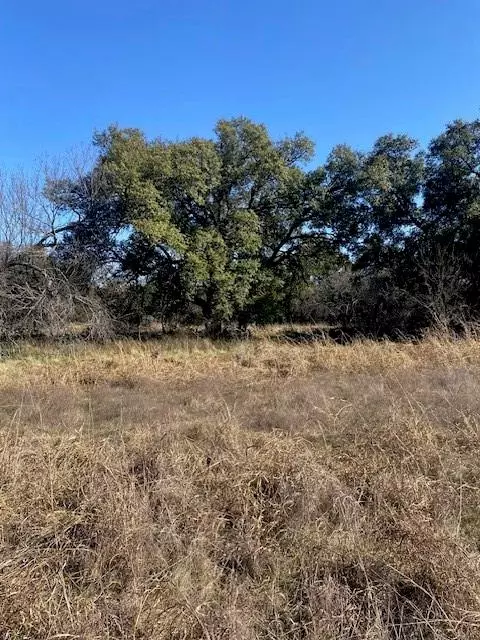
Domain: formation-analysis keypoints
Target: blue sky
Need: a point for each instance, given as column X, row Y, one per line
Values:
column 342, row 71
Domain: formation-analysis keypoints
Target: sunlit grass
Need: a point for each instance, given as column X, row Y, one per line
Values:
column 281, row 487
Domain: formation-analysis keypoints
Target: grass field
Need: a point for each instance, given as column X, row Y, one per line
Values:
column 181, row 489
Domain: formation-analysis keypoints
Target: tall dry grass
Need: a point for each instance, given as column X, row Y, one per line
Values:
column 181, row 489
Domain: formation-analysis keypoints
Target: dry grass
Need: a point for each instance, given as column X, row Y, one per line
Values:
column 265, row 489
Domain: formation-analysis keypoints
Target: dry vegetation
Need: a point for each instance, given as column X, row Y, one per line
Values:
column 180, row 489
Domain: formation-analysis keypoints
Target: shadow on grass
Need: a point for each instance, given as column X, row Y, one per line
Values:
column 331, row 334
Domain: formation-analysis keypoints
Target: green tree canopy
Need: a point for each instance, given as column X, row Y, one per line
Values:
column 234, row 215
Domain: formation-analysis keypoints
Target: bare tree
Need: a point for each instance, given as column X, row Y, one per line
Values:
column 443, row 285
column 22, row 217
column 31, row 208
column 39, row 296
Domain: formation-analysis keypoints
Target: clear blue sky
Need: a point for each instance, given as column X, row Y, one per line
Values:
column 343, row 71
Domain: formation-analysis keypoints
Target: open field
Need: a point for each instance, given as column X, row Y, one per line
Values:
column 181, row 489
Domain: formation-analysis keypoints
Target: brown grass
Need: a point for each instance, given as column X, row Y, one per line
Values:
column 266, row 489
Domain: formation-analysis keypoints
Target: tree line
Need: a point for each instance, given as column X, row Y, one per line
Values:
column 239, row 229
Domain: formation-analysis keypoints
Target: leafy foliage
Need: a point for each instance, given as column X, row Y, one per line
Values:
column 240, row 228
